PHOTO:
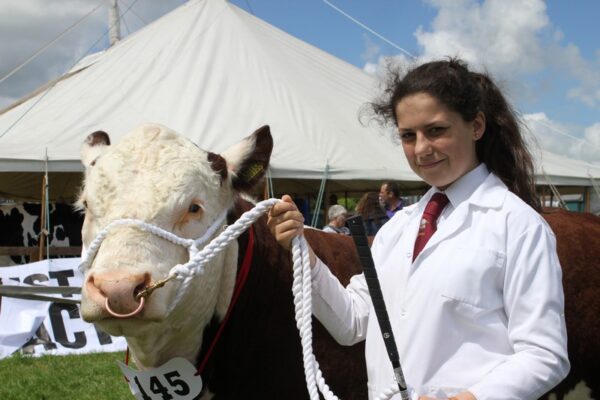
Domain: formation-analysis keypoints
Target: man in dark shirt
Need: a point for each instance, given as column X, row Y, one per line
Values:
column 389, row 197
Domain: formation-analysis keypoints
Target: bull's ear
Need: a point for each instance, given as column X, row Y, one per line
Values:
column 248, row 160
column 94, row 145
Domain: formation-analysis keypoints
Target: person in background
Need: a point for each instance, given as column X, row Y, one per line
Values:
column 470, row 273
column 333, row 199
column 373, row 215
column 337, row 220
column 389, row 198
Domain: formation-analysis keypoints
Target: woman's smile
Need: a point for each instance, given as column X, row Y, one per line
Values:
column 430, row 164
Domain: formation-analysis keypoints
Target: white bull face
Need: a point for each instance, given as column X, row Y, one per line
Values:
column 161, row 178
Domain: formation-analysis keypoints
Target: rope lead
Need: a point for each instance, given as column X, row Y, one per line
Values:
column 301, row 286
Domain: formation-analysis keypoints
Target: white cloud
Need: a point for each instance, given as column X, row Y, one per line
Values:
column 371, row 68
column 563, row 139
column 592, row 134
column 503, row 34
column 25, row 29
column 28, row 25
column 585, row 72
column 372, row 49
column 590, row 147
column 379, row 67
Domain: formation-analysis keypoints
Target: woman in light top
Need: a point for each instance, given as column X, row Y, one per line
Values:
column 337, row 220
column 469, row 274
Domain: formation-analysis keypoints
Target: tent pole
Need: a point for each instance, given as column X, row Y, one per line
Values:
column 45, row 214
column 555, row 191
column 270, row 181
column 595, row 185
column 42, row 235
column 114, row 23
column 268, row 190
column 48, row 227
column 327, row 204
column 320, row 196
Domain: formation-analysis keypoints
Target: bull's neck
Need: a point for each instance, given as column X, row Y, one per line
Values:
column 167, row 342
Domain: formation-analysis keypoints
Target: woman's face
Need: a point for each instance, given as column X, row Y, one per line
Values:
column 438, row 144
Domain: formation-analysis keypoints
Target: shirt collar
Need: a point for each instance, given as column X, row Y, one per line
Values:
column 466, row 185
column 479, row 186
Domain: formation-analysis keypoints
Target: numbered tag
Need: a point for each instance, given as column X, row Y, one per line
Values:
column 175, row 380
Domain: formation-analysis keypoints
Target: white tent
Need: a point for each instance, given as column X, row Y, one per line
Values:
column 213, row 72
column 558, row 170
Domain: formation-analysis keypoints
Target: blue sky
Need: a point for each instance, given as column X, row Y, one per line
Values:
column 545, row 55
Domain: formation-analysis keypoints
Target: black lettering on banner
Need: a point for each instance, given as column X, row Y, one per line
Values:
column 157, row 387
column 58, row 325
column 35, row 278
column 63, row 278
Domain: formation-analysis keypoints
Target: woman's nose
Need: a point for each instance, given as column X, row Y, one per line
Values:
column 422, row 145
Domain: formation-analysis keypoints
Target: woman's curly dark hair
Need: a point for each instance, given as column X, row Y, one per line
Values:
column 502, row 148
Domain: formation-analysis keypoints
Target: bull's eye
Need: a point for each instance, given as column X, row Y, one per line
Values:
column 194, row 208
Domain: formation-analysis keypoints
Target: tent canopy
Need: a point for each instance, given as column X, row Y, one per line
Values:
column 214, row 73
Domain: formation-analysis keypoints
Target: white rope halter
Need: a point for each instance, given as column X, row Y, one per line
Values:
column 301, row 286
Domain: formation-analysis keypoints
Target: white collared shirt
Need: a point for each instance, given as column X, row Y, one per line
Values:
column 480, row 309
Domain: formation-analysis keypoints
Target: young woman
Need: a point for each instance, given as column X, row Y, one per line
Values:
column 372, row 213
column 476, row 306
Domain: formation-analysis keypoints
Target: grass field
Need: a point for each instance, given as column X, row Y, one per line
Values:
column 81, row 377
column 88, row 377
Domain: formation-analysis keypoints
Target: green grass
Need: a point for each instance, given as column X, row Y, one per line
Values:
column 80, row 377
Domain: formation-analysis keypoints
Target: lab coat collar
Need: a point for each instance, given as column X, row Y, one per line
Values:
column 462, row 190
column 478, row 187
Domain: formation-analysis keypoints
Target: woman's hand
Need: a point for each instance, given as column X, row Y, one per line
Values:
column 285, row 222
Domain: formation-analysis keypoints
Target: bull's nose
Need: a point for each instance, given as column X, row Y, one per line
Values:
column 115, row 292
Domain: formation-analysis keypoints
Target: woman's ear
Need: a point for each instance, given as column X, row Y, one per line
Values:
column 478, row 126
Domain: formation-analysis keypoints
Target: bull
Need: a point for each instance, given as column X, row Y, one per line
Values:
column 159, row 177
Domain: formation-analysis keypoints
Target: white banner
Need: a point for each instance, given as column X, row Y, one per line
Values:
column 40, row 327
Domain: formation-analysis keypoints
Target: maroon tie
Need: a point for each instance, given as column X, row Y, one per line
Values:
column 429, row 221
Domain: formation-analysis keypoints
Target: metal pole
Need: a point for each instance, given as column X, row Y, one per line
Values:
column 114, row 23
column 320, row 196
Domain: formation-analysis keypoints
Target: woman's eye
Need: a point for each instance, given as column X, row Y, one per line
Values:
column 437, row 130
column 194, row 208
column 406, row 136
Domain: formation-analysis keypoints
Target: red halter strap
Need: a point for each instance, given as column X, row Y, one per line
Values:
column 239, row 285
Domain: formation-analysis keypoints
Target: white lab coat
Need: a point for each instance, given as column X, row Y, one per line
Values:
column 480, row 309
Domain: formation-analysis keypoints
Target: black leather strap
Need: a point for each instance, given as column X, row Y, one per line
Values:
column 357, row 231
